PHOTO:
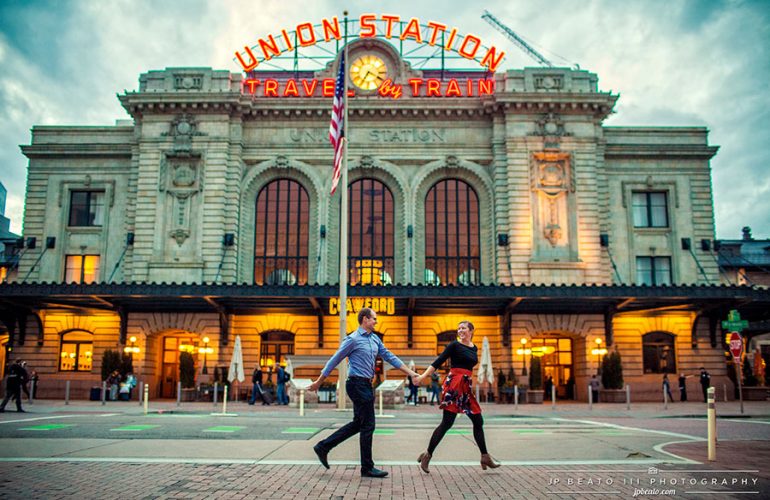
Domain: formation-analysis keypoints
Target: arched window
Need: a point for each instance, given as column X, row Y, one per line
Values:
column 281, row 234
column 658, row 352
column 443, row 339
column 276, row 345
column 370, row 233
column 452, row 234
column 76, row 351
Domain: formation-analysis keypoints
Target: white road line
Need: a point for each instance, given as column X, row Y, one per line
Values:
column 653, row 431
column 659, row 449
column 748, row 421
column 38, row 418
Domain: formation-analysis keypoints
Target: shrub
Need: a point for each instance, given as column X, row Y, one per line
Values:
column 110, row 362
column 749, row 379
column 186, row 370
column 535, row 375
column 612, row 371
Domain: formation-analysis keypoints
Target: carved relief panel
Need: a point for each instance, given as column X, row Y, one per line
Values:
column 554, row 222
column 181, row 178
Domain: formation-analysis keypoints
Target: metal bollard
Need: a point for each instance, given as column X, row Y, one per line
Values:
column 665, row 400
column 302, row 402
column 553, row 397
column 216, row 392
column 628, row 397
column 724, row 391
column 516, row 398
column 590, row 398
column 31, row 391
column 179, row 393
column 104, row 392
column 712, row 419
column 146, row 398
column 141, row 392
column 67, row 392
column 224, row 401
column 303, row 398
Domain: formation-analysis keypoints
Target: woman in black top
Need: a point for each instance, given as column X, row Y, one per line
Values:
column 457, row 395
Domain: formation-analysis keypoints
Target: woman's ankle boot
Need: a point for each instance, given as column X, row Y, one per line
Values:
column 488, row 461
column 424, row 460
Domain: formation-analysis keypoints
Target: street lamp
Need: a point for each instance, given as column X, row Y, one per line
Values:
column 132, row 347
column 524, row 352
column 205, row 350
column 599, row 352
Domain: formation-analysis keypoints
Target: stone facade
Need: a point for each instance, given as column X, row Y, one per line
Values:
column 551, row 179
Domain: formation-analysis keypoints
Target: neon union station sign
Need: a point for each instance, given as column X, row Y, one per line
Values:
column 433, row 34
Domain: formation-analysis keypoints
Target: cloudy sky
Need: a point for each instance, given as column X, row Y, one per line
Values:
column 673, row 62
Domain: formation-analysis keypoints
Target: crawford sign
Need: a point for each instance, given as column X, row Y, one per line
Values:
column 432, row 33
column 381, row 305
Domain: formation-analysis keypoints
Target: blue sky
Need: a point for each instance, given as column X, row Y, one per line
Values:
column 674, row 63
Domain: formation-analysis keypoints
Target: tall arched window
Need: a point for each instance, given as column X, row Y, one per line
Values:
column 443, row 339
column 658, row 352
column 452, row 234
column 276, row 345
column 370, row 233
column 76, row 352
column 281, row 234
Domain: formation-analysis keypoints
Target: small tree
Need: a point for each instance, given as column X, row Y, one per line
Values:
column 535, row 376
column 127, row 364
column 612, row 371
column 749, row 379
column 110, row 362
column 186, row 370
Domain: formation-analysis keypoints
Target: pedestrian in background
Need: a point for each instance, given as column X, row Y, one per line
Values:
column 256, row 387
column 17, row 378
column 435, row 388
column 281, row 379
column 412, row 392
column 683, row 387
column 667, row 387
column 705, row 382
column 594, row 389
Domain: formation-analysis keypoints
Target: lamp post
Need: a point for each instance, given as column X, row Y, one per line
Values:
column 524, row 352
column 132, row 347
column 205, row 350
column 599, row 352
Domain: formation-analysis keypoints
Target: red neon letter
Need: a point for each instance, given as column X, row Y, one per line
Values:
column 309, row 90
column 247, row 66
column 328, row 87
column 289, row 45
column 490, row 61
column 434, row 87
column 333, row 29
column 463, row 48
column 469, row 85
column 271, row 88
column 486, row 87
column 436, row 28
column 291, row 88
column 389, row 26
column 269, row 47
column 412, row 30
column 252, row 84
column 367, row 23
column 453, row 89
column 415, row 84
column 452, row 35
column 306, row 42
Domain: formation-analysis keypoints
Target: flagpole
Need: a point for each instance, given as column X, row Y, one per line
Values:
column 343, row 308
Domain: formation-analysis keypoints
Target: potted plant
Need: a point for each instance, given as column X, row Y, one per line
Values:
column 752, row 391
column 535, row 392
column 187, row 376
column 612, row 379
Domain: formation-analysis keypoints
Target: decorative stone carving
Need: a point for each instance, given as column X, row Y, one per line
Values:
column 181, row 178
column 183, row 128
column 452, row 162
column 282, row 162
column 552, row 182
column 367, row 162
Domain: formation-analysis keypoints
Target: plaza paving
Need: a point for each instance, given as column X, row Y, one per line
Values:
column 87, row 450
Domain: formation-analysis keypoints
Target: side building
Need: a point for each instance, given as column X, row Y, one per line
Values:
column 508, row 202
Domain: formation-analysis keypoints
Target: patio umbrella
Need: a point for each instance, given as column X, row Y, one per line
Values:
column 289, row 367
column 236, row 364
column 485, row 373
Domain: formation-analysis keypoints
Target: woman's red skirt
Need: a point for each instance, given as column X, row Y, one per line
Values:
column 457, row 394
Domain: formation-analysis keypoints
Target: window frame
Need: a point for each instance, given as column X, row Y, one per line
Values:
column 648, row 206
column 77, row 344
column 651, row 350
column 276, row 338
column 81, row 279
column 379, row 266
column 87, row 208
column 653, row 273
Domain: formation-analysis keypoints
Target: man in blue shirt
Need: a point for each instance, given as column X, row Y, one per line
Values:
column 361, row 348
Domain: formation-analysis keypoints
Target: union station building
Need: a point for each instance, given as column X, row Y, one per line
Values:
column 504, row 200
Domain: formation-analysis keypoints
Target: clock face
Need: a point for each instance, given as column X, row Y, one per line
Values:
column 368, row 72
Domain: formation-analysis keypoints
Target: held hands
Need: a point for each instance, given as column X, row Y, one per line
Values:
column 315, row 386
column 417, row 379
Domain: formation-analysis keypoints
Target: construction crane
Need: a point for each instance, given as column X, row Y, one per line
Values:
column 505, row 30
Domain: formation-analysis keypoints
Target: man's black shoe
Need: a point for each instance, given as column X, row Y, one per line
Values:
column 373, row 473
column 321, row 455
column 21, row 411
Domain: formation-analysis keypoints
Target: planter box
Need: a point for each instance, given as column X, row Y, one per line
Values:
column 612, row 396
column 535, row 397
column 755, row 393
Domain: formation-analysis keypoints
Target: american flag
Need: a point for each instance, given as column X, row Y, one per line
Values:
column 337, row 125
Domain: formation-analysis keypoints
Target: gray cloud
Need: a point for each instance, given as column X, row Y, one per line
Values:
column 692, row 62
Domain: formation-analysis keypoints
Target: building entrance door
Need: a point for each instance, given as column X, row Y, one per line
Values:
column 169, row 374
column 556, row 361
